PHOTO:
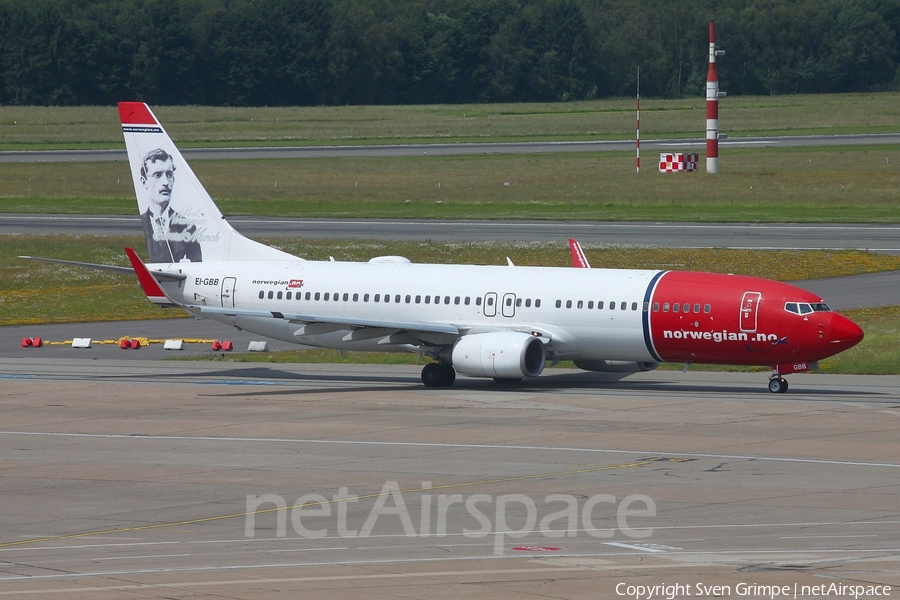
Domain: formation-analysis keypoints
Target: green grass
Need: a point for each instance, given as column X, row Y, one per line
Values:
column 792, row 185
column 98, row 127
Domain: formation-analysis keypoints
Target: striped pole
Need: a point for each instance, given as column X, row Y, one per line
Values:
column 712, row 105
column 638, row 119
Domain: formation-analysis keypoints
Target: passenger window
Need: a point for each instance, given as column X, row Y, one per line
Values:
column 665, row 307
column 600, row 305
column 528, row 303
column 612, row 306
column 490, row 301
column 537, row 303
column 509, row 301
column 365, row 297
column 408, row 298
column 447, row 300
column 675, row 307
column 427, row 299
column 581, row 304
column 568, row 304
column 346, row 297
column 646, row 306
column 262, row 294
column 697, row 308
column 387, row 297
column 336, row 297
column 307, row 296
column 288, row 296
column 656, row 307
column 478, row 301
column 518, row 302
column 356, row 297
column 377, row 298
column 590, row 304
column 467, row 301
column 707, row 308
column 624, row 306
column 634, row 306
column 558, row 303
column 397, row 298
column 271, row 295
column 418, row 299
column 456, row 300
column 279, row 295
column 317, row 295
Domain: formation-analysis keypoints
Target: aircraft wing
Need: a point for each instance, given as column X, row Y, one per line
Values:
column 432, row 332
column 349, row 323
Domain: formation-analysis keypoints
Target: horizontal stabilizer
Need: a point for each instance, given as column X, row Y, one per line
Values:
column 107, row 268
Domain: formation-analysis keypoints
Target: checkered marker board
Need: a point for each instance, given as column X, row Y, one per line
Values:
column 678, row 161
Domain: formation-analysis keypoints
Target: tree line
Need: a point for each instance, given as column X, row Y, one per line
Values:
column 341, row 52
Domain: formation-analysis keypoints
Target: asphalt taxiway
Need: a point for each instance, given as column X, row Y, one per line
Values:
column 464, row 149
column 160, row 479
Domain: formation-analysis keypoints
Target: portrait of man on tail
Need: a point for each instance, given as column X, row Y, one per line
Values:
column 170, row 236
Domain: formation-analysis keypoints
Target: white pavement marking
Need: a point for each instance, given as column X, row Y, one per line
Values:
column 181, row 438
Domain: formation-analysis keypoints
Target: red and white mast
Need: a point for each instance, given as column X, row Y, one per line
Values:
column 712, row 105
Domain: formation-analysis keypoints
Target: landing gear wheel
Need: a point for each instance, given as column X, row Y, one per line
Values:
column 438, row 375
column 448, row 373
column 778, row 385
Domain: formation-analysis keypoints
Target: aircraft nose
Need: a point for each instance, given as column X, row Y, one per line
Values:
column 844, row 333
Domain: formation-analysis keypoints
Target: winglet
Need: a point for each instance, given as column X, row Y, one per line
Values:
column 579, row 260
column 151, row 287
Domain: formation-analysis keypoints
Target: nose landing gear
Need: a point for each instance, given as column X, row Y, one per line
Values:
column 778, row 384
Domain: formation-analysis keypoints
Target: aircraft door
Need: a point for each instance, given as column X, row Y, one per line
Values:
column 508, row 308
column 490, row 304
column 228, row 292
column 749, row 310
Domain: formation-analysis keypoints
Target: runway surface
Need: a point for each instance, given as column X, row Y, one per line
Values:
column 179, row 480
column 457, row 149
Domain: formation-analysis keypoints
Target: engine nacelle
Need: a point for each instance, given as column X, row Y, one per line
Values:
column 499, row 354
column 616, row 366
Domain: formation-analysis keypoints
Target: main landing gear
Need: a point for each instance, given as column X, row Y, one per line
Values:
column 438, row 375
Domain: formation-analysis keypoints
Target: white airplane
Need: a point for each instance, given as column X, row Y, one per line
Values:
column 502, row 322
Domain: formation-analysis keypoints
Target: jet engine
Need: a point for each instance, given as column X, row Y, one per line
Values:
column 499, row 354
column 615, row 366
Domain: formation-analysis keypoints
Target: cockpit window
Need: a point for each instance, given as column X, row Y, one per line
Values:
column 804, row 308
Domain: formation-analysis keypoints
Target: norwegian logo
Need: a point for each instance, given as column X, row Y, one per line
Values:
column 295, row 283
